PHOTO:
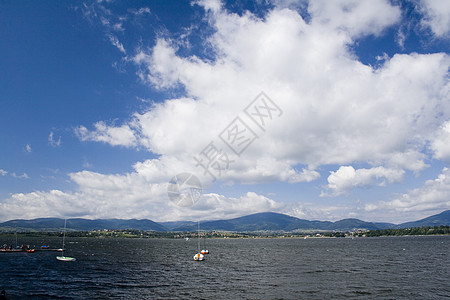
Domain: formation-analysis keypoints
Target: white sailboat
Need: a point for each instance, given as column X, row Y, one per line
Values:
column 198, row 256
column 62, row 257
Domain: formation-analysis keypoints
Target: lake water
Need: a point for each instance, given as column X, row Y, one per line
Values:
column 362, row 268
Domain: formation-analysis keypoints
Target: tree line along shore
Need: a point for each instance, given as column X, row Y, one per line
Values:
column 131, row 233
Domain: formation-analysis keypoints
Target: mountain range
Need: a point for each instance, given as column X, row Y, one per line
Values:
column 267, row 221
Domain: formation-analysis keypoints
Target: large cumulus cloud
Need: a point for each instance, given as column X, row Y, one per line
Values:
column 337, row 111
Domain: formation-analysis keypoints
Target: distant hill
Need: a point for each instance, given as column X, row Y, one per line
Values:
column 440, row 219
column 354, row 224
column 268, row 221
column 257, row 222
column 55, row 224
column 178, row 224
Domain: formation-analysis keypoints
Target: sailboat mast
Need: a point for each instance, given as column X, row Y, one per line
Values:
column 199, row 255
column 64, row 236
column 198, row 235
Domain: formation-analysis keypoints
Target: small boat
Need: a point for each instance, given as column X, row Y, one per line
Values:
column 62, row 257
column 204, row 251
column 199, row 257
column 66, row 258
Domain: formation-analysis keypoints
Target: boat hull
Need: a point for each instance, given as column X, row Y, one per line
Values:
column 199, row 257
column 66, row 258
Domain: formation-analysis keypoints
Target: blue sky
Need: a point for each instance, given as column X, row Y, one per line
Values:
column 103, row 102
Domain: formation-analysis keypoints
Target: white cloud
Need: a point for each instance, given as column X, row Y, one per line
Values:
column 267, row 169
column 116, row 43
column 347, row 178
column 115, row 136
column 441, row 144
column 127, row 196
column 13, row 174
column 86, row 165
column 337, row 109
column 23, row 176
column 141, row 11
column 210, row 5
column 28, row 148
column 52, row 141
column 41, row 204
column 354, row 16
column 436, row 16
column 111, row 23
column 432, row 197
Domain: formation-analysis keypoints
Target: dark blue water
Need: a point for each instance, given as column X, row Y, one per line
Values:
column 364, row 268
